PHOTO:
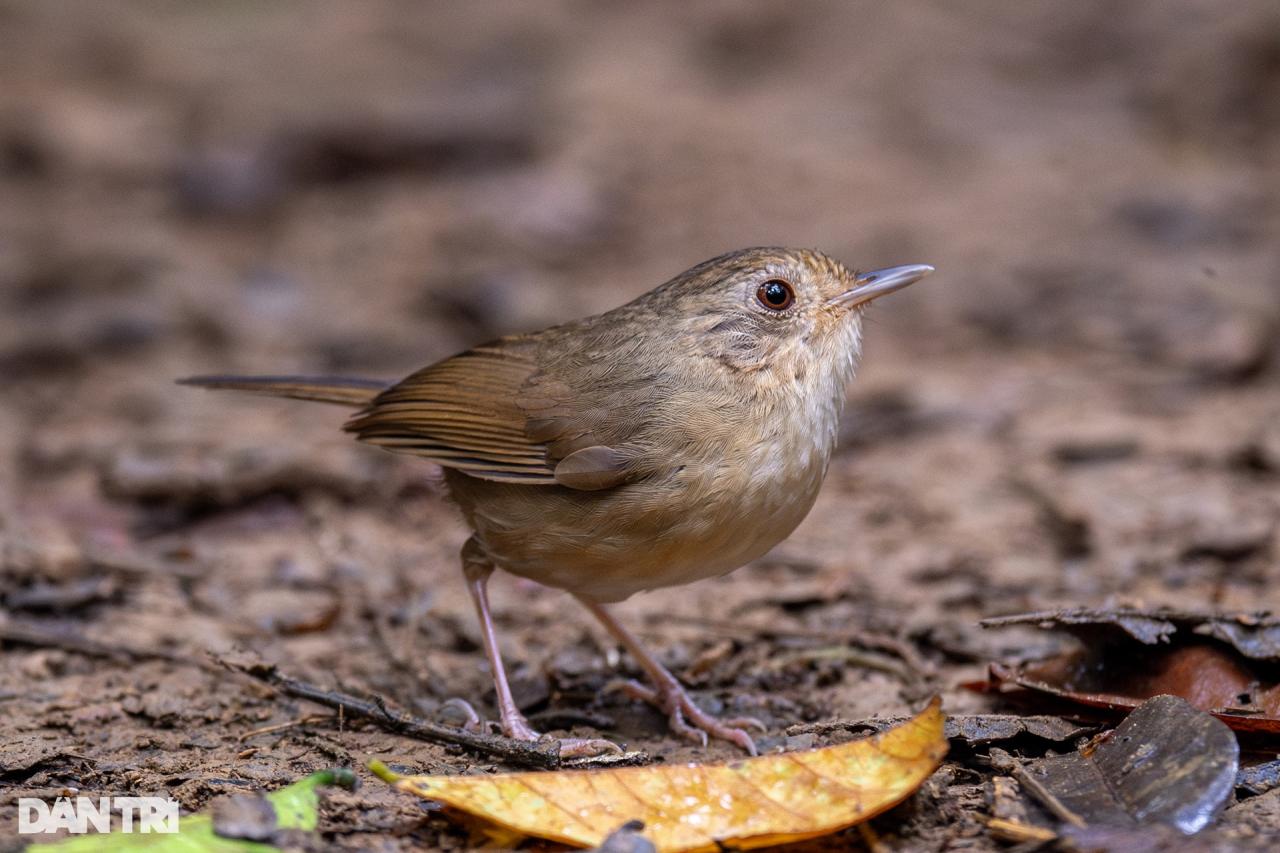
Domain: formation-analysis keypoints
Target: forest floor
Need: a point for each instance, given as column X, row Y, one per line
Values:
column 1081, row 407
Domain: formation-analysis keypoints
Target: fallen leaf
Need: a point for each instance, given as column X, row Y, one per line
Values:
column 294, row 808
column 972, row 729
column 1213, row 694
column 1254, row 635
column 756, row 802
column 1158, row 839
column 1258, row 779
column 1219, row 664
column 1166, row 763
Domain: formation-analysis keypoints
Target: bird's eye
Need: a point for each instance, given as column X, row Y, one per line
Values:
column 776, row 295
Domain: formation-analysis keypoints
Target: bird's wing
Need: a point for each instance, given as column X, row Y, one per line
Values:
column 490, row 412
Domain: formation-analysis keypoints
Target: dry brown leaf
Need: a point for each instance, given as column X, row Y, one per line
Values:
column 1223, row 664
column 756, row 802
column 1166, row 763
column 1032, row 685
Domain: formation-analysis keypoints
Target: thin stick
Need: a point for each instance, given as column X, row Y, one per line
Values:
column 866, row 639
column 279, row 727
column 525, row 754
column 1013, row 831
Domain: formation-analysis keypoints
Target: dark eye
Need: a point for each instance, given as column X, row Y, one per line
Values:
column 776, row 295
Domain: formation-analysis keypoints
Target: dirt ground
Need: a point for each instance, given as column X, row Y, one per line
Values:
column 1080, row 407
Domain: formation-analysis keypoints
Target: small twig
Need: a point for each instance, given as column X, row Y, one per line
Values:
column 279, row 727
column 1016, row 832
column 866, row 639
column 539, row 755
column 840, row 654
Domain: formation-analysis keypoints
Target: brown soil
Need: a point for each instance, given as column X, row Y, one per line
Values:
column 1080, row 407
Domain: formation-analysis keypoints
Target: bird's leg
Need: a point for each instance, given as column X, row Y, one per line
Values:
column 477, row 570
column 667, row 694
column 514, row 725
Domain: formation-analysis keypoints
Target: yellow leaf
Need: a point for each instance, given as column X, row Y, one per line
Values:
column 756, row 802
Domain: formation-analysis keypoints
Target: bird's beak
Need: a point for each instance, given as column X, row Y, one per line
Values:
column 874, row 284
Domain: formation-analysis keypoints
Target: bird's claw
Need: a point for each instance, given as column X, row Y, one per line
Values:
column 473, row 722
column 681, row 711
column 632, row 689
column 746, row 723
column 570, row 747
column 517, row 727
column 576, row 747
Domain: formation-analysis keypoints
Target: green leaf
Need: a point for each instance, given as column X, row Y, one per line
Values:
column 295, row 807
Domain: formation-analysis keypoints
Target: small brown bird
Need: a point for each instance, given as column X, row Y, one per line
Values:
column 675, row 438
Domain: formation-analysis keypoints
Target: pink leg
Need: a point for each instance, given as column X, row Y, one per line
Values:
column 513, row 722
column 669, row 696
column 514, row 725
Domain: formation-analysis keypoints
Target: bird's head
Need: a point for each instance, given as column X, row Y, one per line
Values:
column 788, row 313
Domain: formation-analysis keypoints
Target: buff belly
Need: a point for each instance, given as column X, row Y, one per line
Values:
column 610, row 545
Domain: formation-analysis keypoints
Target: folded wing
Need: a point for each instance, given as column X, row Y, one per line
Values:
column 491, row 413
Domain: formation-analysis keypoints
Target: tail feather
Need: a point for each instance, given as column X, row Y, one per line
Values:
column 320, row 389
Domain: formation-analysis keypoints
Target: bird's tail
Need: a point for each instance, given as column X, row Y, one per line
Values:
column 321, row 389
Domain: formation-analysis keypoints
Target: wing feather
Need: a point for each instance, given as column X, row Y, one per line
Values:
column 463, row 413
column 493, row 413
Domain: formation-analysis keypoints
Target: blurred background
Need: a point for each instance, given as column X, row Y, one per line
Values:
column 1081, row 405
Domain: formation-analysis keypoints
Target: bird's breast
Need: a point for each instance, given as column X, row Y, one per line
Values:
column 734, row 491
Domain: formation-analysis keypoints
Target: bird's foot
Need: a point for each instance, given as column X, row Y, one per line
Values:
column 686, row 718
column 516, row 727
column 471, row 720
column 570, row 747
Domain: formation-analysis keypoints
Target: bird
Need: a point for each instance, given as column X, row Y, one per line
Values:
column 674, row 438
